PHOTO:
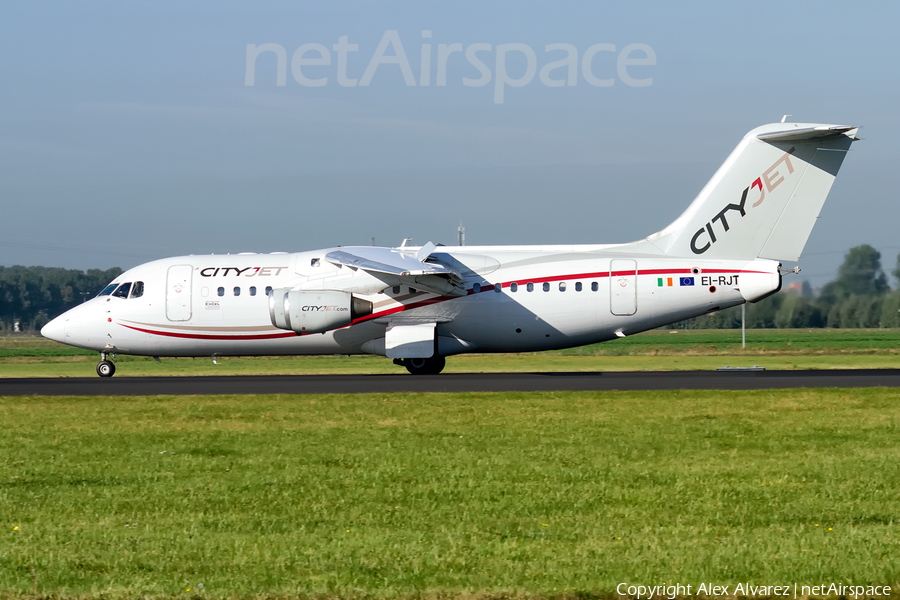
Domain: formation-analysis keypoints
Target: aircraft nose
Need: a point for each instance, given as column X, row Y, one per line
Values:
column 55, row 330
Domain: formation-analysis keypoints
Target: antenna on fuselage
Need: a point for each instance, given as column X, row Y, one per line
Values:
column 461, row 235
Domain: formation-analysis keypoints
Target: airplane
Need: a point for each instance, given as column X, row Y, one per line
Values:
column 418, row 305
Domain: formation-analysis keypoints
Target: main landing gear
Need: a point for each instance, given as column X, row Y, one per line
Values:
column 105, row 368
column 423, row 366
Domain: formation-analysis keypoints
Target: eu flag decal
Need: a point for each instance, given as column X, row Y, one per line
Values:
column 686, row 281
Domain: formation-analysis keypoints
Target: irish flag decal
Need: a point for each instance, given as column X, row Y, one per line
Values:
column 670, row 281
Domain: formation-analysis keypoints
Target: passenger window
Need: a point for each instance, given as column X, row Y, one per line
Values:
column 529, row 287
column 220, row 291
column 412, row 290
column 546, row 287
column 268, row 290
column 595, row 286
column 396, row 289
column 514, row 287
column 108, row 289
column 577, row 286
column 122, row 290
column 562, row 286
column 237, row 291
column 252, row 290
column 498, row 287
column 138, row 290
column 476, row 288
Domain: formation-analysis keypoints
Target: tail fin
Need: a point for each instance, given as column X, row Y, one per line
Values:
column 764, row 200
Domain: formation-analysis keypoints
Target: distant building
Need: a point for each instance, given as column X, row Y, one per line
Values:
column 799, row 287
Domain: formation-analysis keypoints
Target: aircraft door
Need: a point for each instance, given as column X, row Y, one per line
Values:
column 178, row 292
column 623, row 287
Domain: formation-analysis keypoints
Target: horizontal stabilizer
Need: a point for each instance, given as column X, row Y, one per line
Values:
column 820, row 132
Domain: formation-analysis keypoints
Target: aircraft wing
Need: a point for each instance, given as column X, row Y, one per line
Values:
column 405, row 264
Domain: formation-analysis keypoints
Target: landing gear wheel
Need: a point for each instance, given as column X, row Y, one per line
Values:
column 106, row 368
column 425, row 366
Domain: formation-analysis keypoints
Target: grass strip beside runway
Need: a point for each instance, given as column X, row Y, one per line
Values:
column 546, row 494
column 658, row 350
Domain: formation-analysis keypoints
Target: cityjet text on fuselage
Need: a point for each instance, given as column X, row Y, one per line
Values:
column 241, row 272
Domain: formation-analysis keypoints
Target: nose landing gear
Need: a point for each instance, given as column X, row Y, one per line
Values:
column 105, row 368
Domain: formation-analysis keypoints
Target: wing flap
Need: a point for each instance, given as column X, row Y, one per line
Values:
column 392, row 261
column 402, row 263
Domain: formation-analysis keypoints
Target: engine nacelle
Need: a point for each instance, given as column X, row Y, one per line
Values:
column 306, row 311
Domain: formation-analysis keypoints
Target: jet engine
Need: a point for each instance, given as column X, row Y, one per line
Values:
column 306, row 311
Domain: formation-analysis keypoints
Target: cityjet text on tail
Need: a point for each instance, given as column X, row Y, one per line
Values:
column 420, row 305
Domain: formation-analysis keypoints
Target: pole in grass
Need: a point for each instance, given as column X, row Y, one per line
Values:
column 744, row 325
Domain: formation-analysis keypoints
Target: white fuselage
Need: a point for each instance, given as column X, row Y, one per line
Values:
column 519, row 298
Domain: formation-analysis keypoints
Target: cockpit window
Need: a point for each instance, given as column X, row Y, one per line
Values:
column 137, row 290
column 122, row 290
column 108, row 289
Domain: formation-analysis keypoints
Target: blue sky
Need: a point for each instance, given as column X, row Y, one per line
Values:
column 129, row 133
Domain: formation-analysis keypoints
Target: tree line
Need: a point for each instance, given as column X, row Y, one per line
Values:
column 31, row 296
column 858, row 297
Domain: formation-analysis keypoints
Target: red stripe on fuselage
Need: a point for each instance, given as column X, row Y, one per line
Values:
column 413, row 305
column 199, row 336
column 602, row 274
column 489, row 287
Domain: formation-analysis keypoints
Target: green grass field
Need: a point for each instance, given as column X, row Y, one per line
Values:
column 650, row 351
column 551, row 495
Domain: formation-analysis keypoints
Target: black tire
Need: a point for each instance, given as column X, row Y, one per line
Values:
column 425, row 366
column 106, row 368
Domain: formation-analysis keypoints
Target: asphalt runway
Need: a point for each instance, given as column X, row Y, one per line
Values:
column 450, row 382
